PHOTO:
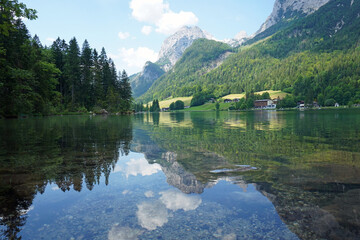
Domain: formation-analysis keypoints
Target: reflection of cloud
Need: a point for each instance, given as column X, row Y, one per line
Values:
column 141, row 167
column 249, row 197
column 25, row 211
column 149, row 194
column 117, row 169
column 55, row 188
column 231, row 236
column 121, row 233
column 175, row 200
column 152, row 215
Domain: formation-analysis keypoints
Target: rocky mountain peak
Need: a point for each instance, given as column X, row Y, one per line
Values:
column 175, row 45
column 290, row 9
column 239, row 39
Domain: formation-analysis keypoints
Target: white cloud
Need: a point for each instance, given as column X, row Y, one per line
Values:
column 171, row 22
column 159, row 13
column 123, row 35
column 133, row 60
column 148, row 10
column 175, row 200
column 146, row 30
column 138, row 57
column 51, row 40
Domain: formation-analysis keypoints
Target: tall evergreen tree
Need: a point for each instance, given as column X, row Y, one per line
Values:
column 114, row 76
column 87, row 95
column 106, row 72
column 59, row 49
column 97, row 75
column 73, row 71
column 125, row 90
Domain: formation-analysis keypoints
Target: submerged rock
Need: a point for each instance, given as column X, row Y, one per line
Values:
column 103, row 112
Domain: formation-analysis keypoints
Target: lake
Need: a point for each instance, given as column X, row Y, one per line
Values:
column 198, row 175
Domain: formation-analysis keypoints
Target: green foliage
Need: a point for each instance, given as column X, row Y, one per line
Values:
column 155, row 107
column 288, row 102
column 200, row 98
column 10, row 12
column 39, row 80
column 178, row 105
column 139, row 107
column 330, row 102
column 265, row 95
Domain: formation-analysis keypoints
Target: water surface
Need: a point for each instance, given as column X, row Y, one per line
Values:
column 248, row 175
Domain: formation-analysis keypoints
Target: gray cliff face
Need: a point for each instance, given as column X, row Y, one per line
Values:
column 289, row 9
column 175, row 45
column 143, row 80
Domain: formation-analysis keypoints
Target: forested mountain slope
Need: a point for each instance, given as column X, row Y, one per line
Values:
column 316, row 57
column 197, row 60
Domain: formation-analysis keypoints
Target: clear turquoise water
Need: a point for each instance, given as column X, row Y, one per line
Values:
column 248, row 175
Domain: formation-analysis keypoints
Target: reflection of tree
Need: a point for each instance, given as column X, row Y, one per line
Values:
column 156, row 118
column 69, row 151
column 177, row 116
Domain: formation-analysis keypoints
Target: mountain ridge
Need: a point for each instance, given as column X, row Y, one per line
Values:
column 175, row 45
column 302, row 54
column 171, row 51
column 287, row 9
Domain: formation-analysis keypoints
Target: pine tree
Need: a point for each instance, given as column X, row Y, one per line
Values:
column 97, row 74
column 114, row 77
column 125, row 91
column 59, row 49
column 106, row 72
column 87, row 95
column 72, row 71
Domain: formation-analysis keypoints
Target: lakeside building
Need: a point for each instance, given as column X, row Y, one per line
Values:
column 264, row 104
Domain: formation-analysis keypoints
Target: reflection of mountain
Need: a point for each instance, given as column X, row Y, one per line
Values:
column 317, row 215
column 308, row 164
column 178, row 177
column 68, row 151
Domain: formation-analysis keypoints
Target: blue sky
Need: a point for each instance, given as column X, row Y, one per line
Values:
column 132, row 31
